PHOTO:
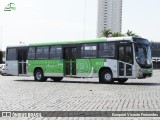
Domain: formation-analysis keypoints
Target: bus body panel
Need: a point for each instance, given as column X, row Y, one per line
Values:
column 12, row 67
column 142, row 72
column 49, row 67
column 89, row 67
column 112, row 64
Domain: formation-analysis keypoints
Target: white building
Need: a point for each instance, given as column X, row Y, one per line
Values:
column 109, row 16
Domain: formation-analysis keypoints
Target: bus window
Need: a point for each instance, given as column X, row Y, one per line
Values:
column 55, row 52
column 42, row 52
column 106, row 50
column 31, row 54
column 11, row 54
column 89, row 51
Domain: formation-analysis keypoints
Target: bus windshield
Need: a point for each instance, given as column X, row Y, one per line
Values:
column 143, row 53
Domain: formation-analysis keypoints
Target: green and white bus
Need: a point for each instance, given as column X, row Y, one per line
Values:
column 109, row 59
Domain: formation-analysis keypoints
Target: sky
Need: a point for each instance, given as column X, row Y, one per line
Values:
column 56, row 20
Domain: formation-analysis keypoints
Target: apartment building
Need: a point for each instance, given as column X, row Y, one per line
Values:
column 109, row 16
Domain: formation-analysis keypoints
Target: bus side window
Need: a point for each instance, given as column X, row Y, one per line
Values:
column 11, row 54
column 55, row 52
column 106, row 50
column 31, row 53
column 42, row 52
column 89, row 51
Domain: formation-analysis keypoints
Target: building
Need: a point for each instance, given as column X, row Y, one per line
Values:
column 155, row 47
column 109, row 16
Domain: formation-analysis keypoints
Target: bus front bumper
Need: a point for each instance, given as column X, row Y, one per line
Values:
column 144, row 73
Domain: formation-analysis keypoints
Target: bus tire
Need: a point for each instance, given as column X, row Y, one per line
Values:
column 39, row 76
column 57, row 79
column 106, row 77
column 122, row 80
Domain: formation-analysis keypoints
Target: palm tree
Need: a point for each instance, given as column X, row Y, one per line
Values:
column 130, row 33
column 106, row 33
column 137, row 36
column 117, row 34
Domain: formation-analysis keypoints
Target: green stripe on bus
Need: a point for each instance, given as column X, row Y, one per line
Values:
column 70, row 42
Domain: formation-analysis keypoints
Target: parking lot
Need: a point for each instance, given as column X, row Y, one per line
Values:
column 78, row 94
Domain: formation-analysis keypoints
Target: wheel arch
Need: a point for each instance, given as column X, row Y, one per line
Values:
column 104, row 68
column 37, row 68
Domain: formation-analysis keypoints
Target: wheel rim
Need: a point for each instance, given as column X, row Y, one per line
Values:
column 107, row 77
column 38, row 75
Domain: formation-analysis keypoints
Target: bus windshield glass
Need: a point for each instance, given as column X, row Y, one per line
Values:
column 143, row 52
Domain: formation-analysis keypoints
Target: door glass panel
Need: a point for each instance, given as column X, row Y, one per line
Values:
column 22, row 57
column 67, row 54
column 121, row 69
column 73, row 54
column 129, row 54
column 121, row 53
column 125, row 59
column 128, row 70
column 73, row 68
column 67, row 68
column 70, row 61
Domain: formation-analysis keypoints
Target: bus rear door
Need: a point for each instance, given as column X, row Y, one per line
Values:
column 70, row 61
column 22, row 59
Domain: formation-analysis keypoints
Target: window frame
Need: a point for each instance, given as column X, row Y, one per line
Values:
column 13, row 54
column 32, row 53
column 43, row 55
column 61, row 52
column 83, row 45
column 99, row 50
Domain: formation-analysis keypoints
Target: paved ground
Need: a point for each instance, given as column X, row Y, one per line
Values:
column 24, row 94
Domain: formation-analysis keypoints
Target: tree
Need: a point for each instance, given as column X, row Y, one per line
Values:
column 117, row 34
column 130, row 33
column 137, row 36
column 106, row 33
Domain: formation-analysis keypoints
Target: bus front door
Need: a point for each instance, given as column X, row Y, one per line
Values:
column 22, row 58
column 70, row 61
column 125, row 61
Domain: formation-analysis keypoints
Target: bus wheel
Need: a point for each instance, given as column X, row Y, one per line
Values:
column 106, row 77
column 38, row 75
column 122, row 80
column 57, row 79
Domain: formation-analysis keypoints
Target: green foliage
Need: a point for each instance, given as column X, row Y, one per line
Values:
column 130, row 33
column 106, row 33
column 117, row 34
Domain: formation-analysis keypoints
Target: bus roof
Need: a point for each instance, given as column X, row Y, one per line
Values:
column 84, row 41
column 18, row 46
